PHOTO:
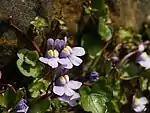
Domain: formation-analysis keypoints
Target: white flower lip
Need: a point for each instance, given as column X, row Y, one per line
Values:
column 141, row 48
column 139, row 104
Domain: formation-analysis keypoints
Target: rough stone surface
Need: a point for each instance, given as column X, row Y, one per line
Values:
column 23, row 11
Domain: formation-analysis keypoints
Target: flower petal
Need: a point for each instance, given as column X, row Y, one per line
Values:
column 145, row 64
column 75, row 60
column 76, row 96
column 141, row 47
column 74, row 84
column 94, row 76
column 78, row 51
column 143, row 100
column 139, row 108
column 53, row 62
column 59, row 90
column 68, row 91
column 66, row 63
column 72, row 103
column 59, row 44
column 44, row 60
column 64, row 98
column 67, row 99
column 50, row 43
column 21, row 106
column 143, row 56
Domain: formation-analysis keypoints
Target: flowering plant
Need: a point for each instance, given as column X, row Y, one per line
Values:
column 98, row 69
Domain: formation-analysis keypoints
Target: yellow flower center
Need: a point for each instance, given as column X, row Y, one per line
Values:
column 144, row 55
column 56, row 54
column 66, row 78
column 137, row 101
column 53, row 53
column 62, row 80
column 67, row 50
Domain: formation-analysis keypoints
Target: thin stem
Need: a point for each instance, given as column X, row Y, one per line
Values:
column 32, row 41
column 126, row 57
column 53, row 77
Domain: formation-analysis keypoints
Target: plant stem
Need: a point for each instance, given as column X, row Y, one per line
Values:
column 32, row 41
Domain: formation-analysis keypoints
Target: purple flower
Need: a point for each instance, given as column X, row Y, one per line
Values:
column 141, row 48
column 144, row 60
column 57, row 52
column 115, row 60
column 51, row 58
column 69, row 56
column 57, row 44
column 71, row 100
column 64, row 86
column 21, row 106
column 94, row 76
column 139, row 104
column 53, row 48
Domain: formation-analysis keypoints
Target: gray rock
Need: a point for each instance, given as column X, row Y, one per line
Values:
column 23, row 11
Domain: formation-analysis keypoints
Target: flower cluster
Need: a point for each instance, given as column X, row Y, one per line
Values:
column 60, row 53
column 61, row 56
column 65, row 89
column 139, row 104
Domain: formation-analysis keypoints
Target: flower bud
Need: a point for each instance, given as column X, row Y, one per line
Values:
column 21, row 106
column 94, row 76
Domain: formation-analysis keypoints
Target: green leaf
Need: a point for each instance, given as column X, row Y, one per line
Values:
column 31, row 57
column 117, row 89
column 129, row 70
column 28, row 70
column 103, row 88
column 124, row 34
column 113, row 106
column 2, row 101
column 87, row 10
column 100, row 6
column 28, row 63
column 10, row 97
column 143, row 83
column 41, row 106
column 39, row 22
column 103, row 30
column 92, row 45
column 107, row 67
column 22, row 53
column 92, row 102
column 38, row 86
